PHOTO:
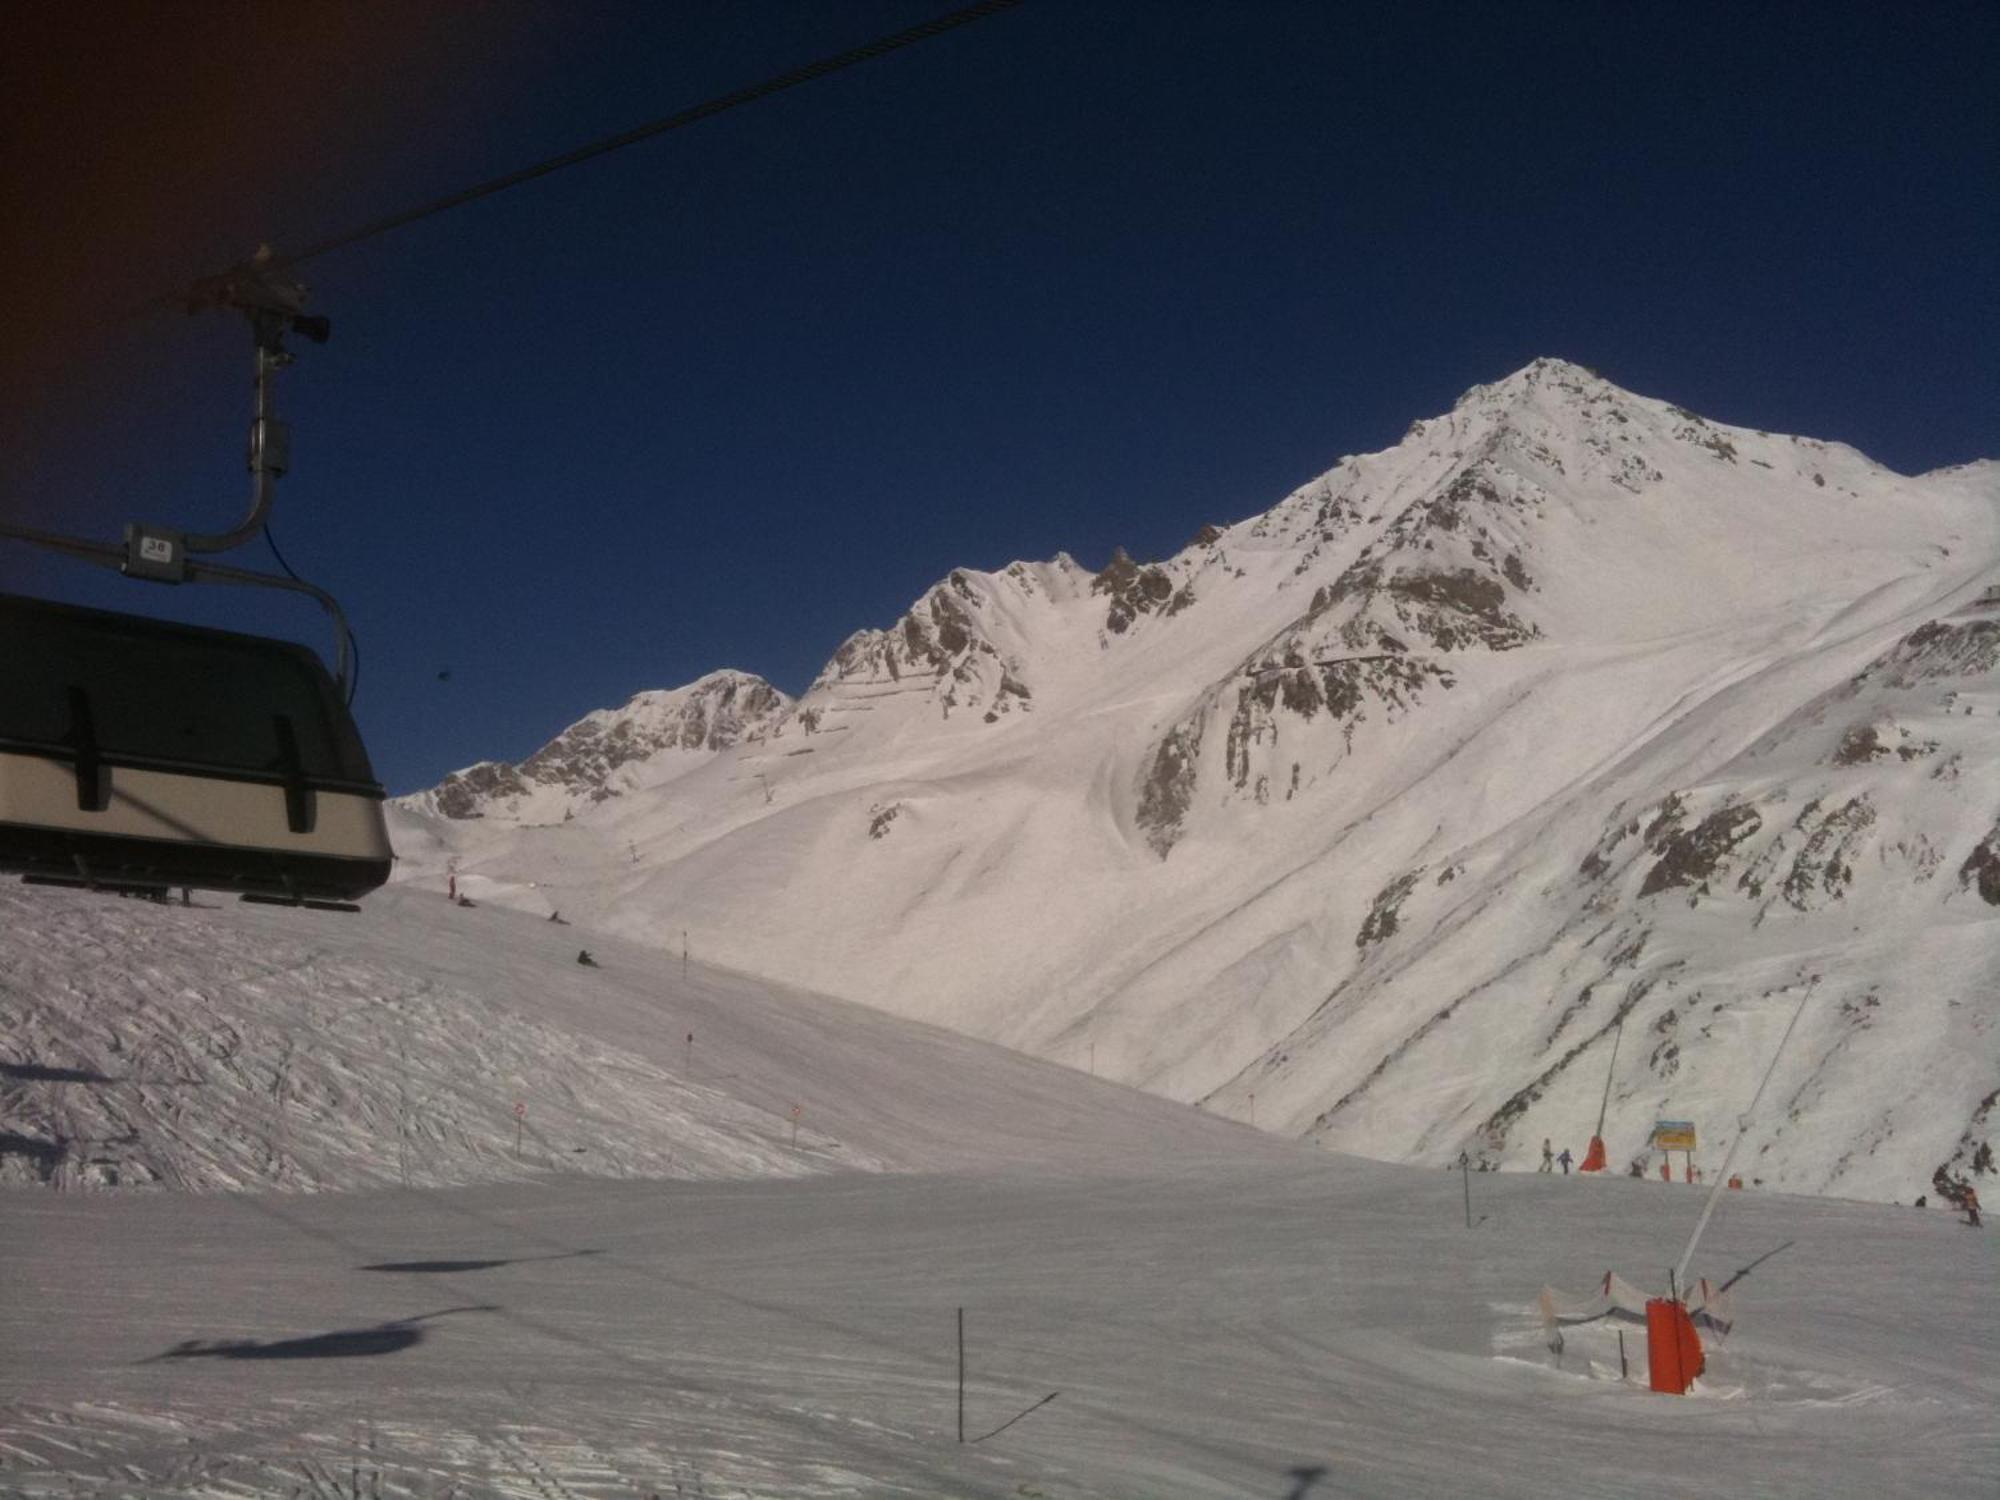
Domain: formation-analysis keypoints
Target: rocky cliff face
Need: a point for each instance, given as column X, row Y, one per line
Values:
column 1573, row 721
column 959, row 648
column 611, row 753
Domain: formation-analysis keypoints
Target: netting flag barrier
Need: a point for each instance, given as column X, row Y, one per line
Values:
column 1619, row 1299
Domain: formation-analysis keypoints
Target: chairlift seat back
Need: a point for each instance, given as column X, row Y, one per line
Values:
column 139, row 754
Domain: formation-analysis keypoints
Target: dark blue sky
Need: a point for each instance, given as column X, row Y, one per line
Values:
column 1082, row 275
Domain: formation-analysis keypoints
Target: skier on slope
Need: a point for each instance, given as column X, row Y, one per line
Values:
column 1565, row 1159
column 1548, row 1156
column 583, row 957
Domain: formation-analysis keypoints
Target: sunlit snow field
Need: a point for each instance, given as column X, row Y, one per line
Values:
column 661, row 1291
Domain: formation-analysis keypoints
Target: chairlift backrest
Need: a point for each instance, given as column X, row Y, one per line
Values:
column 138, row 754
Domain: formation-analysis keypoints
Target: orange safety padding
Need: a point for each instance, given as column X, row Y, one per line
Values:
column 1593, row 1159
column 1673, row 1348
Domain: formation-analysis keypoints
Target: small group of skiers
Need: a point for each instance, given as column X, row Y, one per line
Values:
column 1959, row 1194
column 582, row 954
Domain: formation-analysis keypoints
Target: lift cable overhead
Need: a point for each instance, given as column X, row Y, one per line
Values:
column 692, row 115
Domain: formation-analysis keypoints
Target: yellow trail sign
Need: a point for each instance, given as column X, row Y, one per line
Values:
column 1673, row 1135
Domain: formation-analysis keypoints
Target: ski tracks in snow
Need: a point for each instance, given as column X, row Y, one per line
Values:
column 198, row 1053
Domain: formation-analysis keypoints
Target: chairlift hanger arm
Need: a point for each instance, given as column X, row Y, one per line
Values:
column 274, row 305
column 269, row 443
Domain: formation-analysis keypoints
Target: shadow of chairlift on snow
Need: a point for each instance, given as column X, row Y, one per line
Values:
column 392, row 1337
column 34, row 1072
column 448, row 1267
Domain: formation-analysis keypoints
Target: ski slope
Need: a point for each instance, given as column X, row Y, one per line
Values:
column 694, row 1305
column 224, row 1046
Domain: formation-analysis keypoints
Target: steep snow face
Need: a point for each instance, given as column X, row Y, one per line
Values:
column 1378, row 815
column 651, row 740
column 1836, row 855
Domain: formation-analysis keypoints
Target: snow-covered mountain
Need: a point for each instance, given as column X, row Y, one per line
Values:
column 1573, row 721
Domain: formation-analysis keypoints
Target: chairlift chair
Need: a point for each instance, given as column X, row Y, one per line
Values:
column 137, row 755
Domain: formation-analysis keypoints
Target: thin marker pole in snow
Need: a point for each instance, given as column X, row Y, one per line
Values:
column 1742, row 1129
column 403, row 1093
column 690, row 1055
column 1465, row 1175
column 684, row 955
column 961, row 1374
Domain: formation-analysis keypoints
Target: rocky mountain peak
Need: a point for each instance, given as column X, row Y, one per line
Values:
column 1540, row 379
column 653, row 737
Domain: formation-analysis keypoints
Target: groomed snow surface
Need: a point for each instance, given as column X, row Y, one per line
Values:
column 662, row 1292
